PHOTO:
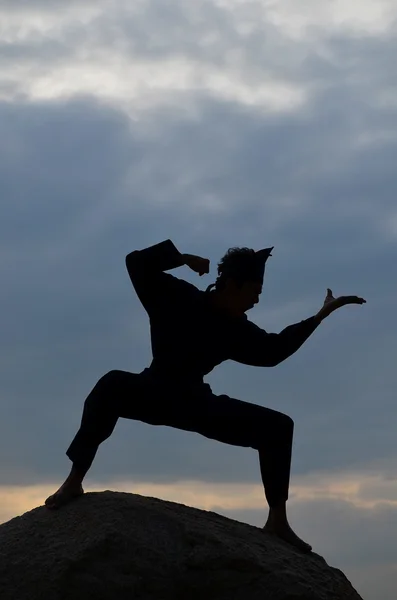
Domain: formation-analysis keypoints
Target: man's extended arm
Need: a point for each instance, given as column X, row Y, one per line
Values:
column 253, row 346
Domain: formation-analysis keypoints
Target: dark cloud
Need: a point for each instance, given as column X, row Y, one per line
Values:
column 82, row 185
column 24, row 7
column 82, row 188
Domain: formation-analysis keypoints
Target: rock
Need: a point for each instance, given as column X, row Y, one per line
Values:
column 117, row 546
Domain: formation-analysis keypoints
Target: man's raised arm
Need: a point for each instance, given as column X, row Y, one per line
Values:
column 157, row 258
column 153, row 286
column 163, row 257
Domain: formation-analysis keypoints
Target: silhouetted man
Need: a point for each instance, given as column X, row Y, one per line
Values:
column 193, row 331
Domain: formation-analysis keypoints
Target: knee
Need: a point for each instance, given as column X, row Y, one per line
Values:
column 113, row 377
column 286, row 422
column 104, row 389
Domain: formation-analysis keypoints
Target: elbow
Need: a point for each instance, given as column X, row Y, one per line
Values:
column 274, row 363
column 131, row 257
column 131, row 260
column 265, row 362
column 276, row 360
column 131, row 264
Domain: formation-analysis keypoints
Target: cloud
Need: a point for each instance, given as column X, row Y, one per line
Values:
column 216, row 125
column 268, row 56
column 79, row 179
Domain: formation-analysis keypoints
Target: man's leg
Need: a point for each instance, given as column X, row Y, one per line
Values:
column 116, row 394
column 239, row 423
column 228, row 420
column 275, row 454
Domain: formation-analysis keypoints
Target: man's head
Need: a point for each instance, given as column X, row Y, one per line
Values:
column 240, row 278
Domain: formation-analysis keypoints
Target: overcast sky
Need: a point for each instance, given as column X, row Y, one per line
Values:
column 216, row 124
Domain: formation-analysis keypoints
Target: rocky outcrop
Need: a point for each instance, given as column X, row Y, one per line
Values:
column 117, row 546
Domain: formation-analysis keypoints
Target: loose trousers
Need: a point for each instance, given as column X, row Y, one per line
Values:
column 228, row 420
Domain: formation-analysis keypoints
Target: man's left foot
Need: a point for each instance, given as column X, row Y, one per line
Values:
column 66, row 493
column 285, row 533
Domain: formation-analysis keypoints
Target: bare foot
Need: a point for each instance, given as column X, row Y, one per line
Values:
column 284, row 532
column 66, row 493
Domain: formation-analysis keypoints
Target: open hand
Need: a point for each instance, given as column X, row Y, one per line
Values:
column 197, row 264
column 331, row 304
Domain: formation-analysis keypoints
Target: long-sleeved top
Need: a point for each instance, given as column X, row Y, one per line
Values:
column 189, row 334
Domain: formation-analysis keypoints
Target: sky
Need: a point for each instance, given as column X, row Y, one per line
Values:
column 218, row 123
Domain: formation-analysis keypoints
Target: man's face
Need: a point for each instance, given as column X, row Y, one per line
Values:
column 247, row 295
column 250, row 293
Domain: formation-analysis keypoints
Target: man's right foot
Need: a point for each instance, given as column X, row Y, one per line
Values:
column 66, row 493
column 283, row 531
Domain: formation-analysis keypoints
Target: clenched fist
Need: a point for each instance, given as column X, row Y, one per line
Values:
column 197, row 264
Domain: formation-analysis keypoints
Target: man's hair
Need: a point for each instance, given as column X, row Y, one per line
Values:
column 236, row 264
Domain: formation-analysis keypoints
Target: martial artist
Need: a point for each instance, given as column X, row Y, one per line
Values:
column 193, row 331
